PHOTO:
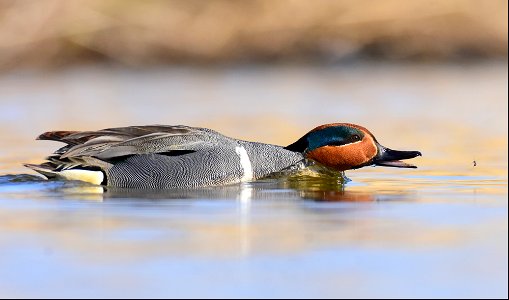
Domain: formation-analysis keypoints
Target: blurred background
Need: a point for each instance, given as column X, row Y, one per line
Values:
column 421, row 75
column 56, row 33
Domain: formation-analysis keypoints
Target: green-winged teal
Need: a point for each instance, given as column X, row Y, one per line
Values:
column 162, row 156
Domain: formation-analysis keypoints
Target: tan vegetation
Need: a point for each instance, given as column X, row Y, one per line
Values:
column 58, row 32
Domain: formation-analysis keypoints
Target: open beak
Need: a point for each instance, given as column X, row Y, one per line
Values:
column 392, row 158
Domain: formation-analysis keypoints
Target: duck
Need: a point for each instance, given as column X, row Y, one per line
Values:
column 178, row 156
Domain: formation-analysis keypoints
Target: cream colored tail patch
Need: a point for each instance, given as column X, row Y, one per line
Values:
column 94, row 177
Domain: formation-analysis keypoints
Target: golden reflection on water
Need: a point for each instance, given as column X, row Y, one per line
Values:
column 298, row 229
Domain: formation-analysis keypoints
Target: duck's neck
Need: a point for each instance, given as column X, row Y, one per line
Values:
column 267, row 159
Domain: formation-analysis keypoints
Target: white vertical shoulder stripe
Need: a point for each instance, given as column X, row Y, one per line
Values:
column 245, row 162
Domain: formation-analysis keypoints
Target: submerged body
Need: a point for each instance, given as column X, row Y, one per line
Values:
column 181, row 156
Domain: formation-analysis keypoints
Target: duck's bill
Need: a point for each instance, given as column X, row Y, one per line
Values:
column 395, row 164
column 392, row 158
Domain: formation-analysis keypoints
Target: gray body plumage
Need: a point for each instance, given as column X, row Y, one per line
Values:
column 168, row 156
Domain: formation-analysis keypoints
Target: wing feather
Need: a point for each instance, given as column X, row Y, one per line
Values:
column 115, row 142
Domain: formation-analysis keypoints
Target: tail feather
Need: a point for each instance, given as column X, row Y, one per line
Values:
column 50, row 171
column 47, row 169
column 71, row 138
column 55, row 135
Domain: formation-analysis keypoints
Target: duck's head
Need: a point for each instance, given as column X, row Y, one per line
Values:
column 343, row 146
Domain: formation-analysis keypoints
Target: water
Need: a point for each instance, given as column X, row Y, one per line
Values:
column 436, row 231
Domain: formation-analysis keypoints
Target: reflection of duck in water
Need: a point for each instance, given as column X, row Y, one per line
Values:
column 181, row 156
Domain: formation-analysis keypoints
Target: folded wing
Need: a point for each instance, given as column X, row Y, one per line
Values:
column 116, row 142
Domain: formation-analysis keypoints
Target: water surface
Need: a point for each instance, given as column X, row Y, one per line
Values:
column 436, row 231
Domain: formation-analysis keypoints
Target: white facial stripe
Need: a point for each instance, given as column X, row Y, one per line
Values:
column 245, row 163
column 372, row 140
